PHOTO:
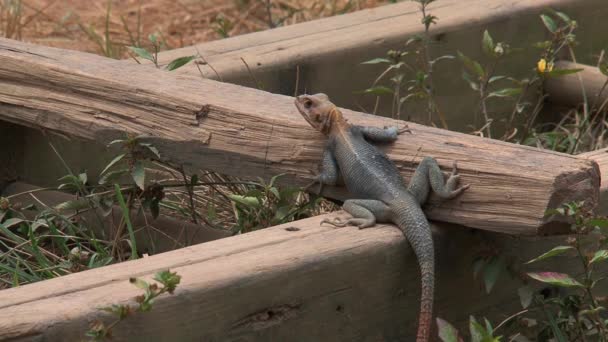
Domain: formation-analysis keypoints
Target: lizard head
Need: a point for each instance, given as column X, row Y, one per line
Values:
column 318, row 111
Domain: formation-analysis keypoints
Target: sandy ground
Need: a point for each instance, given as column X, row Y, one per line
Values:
column 92, row 26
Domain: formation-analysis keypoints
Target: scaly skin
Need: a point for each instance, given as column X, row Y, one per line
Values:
column 381, row 195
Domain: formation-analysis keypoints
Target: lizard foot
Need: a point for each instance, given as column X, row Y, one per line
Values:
column 336, row 222
column 452, row 183
column 357, row 222
column 401, row 130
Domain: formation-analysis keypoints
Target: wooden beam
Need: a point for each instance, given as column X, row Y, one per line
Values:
column 326, row 54
column 568, row 90
column 601, row 158
column 294, row 280
column 245, row 132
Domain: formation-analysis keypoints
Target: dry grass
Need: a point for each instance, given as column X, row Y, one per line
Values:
column 69, row 23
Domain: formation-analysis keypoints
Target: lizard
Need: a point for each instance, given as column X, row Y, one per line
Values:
column 380, row 194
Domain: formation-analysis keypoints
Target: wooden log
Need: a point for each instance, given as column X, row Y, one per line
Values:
column 601, row 158
column 297, row 281
column 568, row 89
column 245, row 132
column 153, row 236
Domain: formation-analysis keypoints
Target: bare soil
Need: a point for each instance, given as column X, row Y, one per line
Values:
column 93, row 26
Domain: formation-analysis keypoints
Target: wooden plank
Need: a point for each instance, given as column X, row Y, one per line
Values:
column 152, row 235
column 568, row 90
column 308, row 282
column 246, row 132
column 601, row 158
column 328, row 52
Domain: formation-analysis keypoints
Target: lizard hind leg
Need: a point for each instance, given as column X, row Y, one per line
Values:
column 365, row 214
column 428, row 175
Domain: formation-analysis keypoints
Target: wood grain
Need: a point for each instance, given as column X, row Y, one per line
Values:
column 298, row 281
column 245, row 132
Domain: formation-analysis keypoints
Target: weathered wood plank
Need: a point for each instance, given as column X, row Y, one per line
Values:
column 245, row 132
column 311, row 283
column 601, row 158
column 567, row 90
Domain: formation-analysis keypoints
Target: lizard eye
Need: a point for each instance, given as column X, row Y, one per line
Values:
column 307, row 104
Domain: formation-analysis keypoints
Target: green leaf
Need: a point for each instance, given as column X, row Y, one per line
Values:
column 12, row 222
column 83, row 178
column 505, row 92
column 245, row 200
column 377, row 61
column 566, row 19
column 549, row 23
column 151, row 148
column 447, row 332
column 471, row 65
column 526, row 294
column 496, row 78
column 139, row 174
column 476, row 330
column 554, row 278
column 141, row 52
column 598, row 222
column 487, row 43
column 599, row 256
column 555, row 251
column 561, row 72
column 78, row 204
column 472, row 84
column 110, row 176
column 377, row 90
column 179, row 62
column 492, row 271
column 114, row 161
column 604, row 69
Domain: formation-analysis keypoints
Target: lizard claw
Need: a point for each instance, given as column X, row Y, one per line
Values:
column 404, row 129
column 453, row 181
column 336, row 222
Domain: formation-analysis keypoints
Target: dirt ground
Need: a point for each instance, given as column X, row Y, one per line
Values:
column 93, row 26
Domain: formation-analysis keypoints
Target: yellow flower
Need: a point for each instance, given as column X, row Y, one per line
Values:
column 542, row 66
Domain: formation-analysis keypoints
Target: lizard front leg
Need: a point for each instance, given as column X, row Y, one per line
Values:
column 365, row 213
column 428, row 175
column 329, row 171
column 381, row 135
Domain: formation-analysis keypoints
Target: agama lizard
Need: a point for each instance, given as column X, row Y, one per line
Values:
column 380, row 193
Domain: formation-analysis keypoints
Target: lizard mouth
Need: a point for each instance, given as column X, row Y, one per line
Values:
column 303, row 104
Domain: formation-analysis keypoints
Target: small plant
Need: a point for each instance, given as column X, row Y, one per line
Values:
column 168, row 280
column 222, row 25
column 265, row 205
column 416, row 63
column 568, row 307
column 153, row 56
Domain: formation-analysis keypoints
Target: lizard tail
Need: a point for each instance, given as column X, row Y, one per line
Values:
column 412, row 221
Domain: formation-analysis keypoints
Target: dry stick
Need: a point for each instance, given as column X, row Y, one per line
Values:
column 258, row 83
column 297, row 86
column 207, row 63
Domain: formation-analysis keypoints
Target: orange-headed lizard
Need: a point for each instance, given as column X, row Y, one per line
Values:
column 380, row 195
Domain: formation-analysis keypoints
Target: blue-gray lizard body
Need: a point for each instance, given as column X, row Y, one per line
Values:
column 380, row 193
